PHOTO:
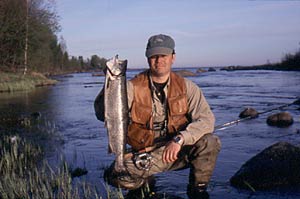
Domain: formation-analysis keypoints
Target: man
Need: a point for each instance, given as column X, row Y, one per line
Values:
column 170, row 112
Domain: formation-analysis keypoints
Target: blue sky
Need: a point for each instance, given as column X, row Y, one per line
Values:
column 206, row 33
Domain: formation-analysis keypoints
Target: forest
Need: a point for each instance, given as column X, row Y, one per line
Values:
column 29, row 42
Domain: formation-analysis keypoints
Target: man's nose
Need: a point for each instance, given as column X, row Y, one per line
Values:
column 158, row 58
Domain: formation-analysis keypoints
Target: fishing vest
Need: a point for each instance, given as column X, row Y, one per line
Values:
column 140, row 131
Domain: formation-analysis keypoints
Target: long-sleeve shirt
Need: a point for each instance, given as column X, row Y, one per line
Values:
column 199, row 112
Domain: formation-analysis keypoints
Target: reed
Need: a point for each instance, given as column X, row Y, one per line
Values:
column 25, row 174
column 23, row 177
column 24, row 171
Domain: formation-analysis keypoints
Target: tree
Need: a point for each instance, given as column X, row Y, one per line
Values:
column 291, row 61
column 103, row 63
column 81, row 61
column 43, row 24
column 61, row 51
column 95, row 61
column 28, row 35
column 66, row 59
column 12, row 32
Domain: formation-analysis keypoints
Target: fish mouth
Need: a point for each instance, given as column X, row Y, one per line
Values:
column 116, row 67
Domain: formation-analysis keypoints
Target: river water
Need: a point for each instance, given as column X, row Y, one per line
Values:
column 69, row 105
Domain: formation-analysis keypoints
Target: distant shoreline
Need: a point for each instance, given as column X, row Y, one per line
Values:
column 262, row 67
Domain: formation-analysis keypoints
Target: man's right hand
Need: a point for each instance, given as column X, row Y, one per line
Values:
column 171, row 151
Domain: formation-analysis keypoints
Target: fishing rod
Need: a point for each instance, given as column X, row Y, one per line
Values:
column 141, row 157
column 228, row 124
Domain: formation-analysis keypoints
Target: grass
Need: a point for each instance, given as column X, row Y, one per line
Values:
column 24, row 171
column 26, row 174
column 10, row 82
column 23, row 176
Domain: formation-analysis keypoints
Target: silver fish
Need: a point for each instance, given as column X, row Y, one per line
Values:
column 116, row 109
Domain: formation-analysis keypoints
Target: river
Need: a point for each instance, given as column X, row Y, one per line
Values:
column 69, row 105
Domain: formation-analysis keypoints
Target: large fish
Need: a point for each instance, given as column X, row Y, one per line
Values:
column 116, row 109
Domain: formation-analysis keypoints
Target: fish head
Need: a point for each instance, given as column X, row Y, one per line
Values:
column 116, row 67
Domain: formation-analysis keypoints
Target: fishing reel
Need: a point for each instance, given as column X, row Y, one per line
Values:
column 143, row 161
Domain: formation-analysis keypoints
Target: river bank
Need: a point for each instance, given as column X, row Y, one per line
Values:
column 10, row 82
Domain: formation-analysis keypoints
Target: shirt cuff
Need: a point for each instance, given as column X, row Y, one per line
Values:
column 187, row 138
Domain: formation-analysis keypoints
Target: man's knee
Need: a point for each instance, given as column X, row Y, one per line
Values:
column 203, row 159
column 209, row 142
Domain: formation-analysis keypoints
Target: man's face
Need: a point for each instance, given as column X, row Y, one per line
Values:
column 160, row 65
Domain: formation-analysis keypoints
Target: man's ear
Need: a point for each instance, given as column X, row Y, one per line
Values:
column 173, row 58
column 148, row 60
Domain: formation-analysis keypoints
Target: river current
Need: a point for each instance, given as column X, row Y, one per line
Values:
column 69, row 105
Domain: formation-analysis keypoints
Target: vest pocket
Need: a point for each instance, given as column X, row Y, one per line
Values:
column 140, row 113
column 177, row 113
column 178, row 105
column 138, row 137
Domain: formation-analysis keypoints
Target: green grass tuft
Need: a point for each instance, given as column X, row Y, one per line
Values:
column 10, row 82
column 23, row 177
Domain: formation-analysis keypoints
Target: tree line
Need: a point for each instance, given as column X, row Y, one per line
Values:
column 290, row 62
column 28, row 39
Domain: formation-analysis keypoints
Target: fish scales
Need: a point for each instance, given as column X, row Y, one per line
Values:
column 116, row 109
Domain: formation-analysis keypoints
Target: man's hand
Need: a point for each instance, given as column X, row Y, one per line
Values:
column 171, row 151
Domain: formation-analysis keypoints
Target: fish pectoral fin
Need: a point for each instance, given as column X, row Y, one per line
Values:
column 107, row 80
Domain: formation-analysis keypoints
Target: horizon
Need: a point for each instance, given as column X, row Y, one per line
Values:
column 206, row 34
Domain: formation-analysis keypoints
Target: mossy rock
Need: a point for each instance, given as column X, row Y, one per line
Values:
column 283, row 119
column 275, row 167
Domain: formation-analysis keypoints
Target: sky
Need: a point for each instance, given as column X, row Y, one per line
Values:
column 206, row 33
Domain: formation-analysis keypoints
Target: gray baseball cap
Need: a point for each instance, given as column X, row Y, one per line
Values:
column 160, row 45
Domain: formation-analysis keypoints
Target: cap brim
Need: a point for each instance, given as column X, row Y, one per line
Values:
column 158, row 51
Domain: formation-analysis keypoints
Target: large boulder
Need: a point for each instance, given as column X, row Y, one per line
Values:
column 283, row 119
column 277, row 166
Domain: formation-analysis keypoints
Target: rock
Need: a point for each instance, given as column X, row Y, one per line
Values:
column 297, row 102
column 283, row 119
column 200, row 70
column 211, row 69
column 36, row 115
column 275, row 167
column 78, row 172
column 249, row 112
column 185, row 73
